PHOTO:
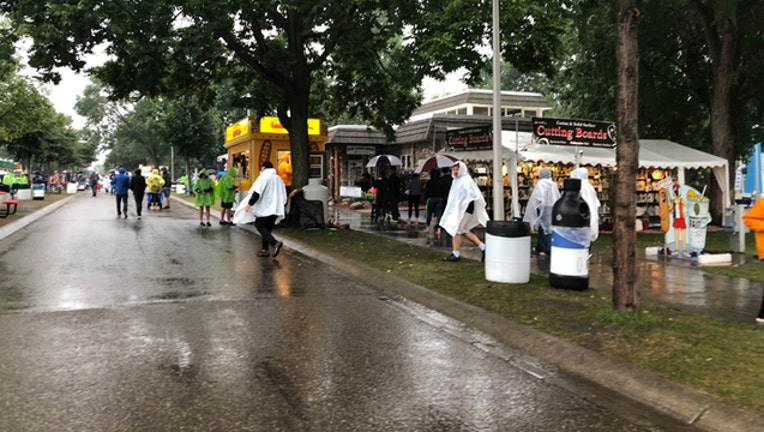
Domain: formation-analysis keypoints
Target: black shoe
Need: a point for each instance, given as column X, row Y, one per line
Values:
column 201, row 223
column 277, row 248
column 208, row 223
column 223, row 223
column 451, row 258
column 263, row 253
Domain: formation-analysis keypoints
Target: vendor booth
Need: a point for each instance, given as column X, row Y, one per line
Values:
column 658, row 160
column 251, row 142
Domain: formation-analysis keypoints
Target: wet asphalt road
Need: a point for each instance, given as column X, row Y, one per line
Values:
column 161, row 325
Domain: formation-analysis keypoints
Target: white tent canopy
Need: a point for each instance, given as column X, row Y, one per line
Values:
column 662, row 154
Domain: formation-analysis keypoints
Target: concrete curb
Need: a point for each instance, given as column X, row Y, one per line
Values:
column 672, row 399
column 26, row 220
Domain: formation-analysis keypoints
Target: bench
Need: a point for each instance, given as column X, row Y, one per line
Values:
column 8, row 204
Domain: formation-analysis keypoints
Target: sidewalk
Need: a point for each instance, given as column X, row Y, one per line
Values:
column 664, row 280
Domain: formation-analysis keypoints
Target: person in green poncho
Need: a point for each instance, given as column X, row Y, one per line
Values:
column 8, row 182
column 204, row 189
column 227, row 192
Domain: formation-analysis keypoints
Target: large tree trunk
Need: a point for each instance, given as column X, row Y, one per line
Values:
column 625, row 291
column 722, row 130
column 297, row 125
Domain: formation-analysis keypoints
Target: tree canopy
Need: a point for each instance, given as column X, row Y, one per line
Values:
column 699, row 81
column 372, row 53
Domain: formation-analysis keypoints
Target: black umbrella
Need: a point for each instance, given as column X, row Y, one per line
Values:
column 384, row 160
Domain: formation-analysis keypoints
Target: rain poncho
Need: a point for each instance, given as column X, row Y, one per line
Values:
column 226, row 189
column 204, row 189
column 754, row 219
column 538, row 212
column 463, row 192
column 154, row 183
column 590, row 196
column 272, row 200
column 9, row 179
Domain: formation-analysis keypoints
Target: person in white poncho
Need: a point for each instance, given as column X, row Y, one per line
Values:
column 465, row 209
column 590, row 196
column 267, row 201
column 538, row 212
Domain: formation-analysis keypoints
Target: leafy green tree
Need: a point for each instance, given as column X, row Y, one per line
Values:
column 50, row 140
column 192, row 129
column 373, row 52
column 699, row 74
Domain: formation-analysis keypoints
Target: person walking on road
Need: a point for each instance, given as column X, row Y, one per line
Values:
column 138, row 186
column 154, row 187
column 227, row 191
column 465, row 210
column 538, row 212
column 204, row 189
column 121, row 184
column 94, row 177
column 267, row 199
column 167, row 187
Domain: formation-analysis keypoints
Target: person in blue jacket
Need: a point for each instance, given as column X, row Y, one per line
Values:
column 121, row 184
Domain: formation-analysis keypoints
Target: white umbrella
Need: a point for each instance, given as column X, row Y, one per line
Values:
column 437, row 161
column 384, row 160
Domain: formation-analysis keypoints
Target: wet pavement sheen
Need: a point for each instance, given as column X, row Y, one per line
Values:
column 161, row 325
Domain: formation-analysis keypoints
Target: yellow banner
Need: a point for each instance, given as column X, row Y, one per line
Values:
column 238, row 129
column 273, row 125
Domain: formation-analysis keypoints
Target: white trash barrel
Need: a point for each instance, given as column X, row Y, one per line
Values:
column 24, row 194
column 508, row 251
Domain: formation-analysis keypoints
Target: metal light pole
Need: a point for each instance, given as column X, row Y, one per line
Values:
column 498, row 183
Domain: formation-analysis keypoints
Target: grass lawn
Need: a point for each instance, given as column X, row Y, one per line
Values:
column 718, row 357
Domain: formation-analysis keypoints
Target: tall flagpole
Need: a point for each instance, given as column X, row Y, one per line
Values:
column 498, row 181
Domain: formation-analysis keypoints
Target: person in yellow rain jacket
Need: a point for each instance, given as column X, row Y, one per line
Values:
column 154, row 188
column 754, row 220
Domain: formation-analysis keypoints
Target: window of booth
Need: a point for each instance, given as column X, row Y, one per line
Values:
column 317, row 166
column 406, row 161
column 241, row 162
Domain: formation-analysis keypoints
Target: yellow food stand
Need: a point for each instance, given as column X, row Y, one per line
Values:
column 251, row 142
